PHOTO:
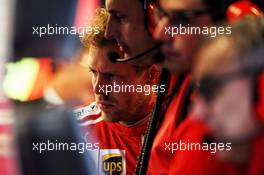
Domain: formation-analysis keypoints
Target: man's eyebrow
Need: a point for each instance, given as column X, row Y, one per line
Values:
column 114, row 12
column 110, row 72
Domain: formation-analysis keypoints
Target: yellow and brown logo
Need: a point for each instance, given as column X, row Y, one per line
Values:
column 113, row 164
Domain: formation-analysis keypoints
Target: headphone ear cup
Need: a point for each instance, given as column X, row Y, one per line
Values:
column 151, row 24
column 240, row 9
column 260, row 98
column 149, row 9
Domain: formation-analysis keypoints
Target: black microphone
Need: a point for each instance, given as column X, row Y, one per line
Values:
column 115, row 57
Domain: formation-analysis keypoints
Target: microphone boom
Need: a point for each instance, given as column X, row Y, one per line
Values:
column 114, row 57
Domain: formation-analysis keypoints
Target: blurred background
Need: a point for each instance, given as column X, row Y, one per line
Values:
column 29, row 64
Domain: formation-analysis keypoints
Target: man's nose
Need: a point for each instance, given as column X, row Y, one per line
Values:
column 111, row 28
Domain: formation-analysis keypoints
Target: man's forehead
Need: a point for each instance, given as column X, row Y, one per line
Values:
column 181, row 4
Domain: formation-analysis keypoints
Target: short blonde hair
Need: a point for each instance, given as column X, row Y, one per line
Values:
column 99, row 23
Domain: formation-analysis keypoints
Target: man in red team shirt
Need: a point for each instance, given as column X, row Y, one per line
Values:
column 126, row 27
column 179, row 51
column 116, row 123
column 230, row 73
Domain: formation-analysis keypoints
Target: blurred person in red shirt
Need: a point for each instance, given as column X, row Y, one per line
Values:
column 229, row 73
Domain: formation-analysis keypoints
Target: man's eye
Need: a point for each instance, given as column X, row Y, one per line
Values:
column 110, row 76
column 91, row 71
column 120, row 18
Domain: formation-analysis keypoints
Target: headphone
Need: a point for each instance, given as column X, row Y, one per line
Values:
column 148, row 9
column 240, row 9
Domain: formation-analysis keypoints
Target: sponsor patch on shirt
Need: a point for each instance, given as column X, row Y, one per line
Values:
column 85, row 111
column 109, row 161
column 112, row 161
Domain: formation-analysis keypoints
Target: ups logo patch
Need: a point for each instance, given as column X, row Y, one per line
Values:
column 113, row 162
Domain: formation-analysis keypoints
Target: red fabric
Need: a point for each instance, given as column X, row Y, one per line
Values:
column 205, row 163
column 180, row 162
column 116, row 136
column 255, row 164
column 7, row 166
column 8, row 161
column 260, row 103
column 196, row 162
column 164, row 162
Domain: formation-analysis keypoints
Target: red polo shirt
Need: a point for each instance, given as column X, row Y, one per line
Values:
column 117, row 147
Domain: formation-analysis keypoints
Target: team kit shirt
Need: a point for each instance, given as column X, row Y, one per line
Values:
column 163, row 160
column 115, row 147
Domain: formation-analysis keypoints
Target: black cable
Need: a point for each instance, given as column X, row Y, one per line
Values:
column 151, row 130
column 156, row 120
column 158, row 115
